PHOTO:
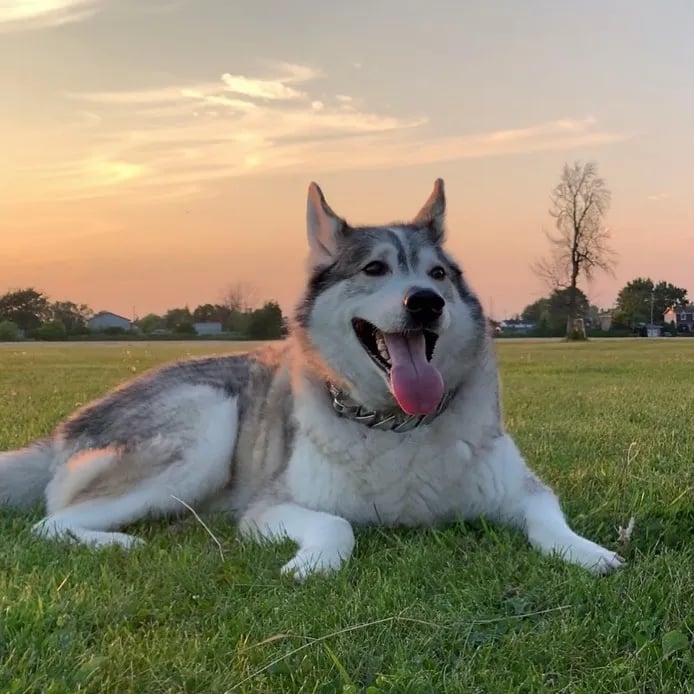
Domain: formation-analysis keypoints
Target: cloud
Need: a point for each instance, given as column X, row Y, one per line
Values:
column 271, row 89
column 218, row 100
column 261, row 89
column 181, row 136
column 21, row 15
column 660, row 196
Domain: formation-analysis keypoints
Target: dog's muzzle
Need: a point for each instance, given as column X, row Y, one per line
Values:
column 424, row 306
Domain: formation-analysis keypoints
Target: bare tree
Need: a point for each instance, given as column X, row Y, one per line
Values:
column 580, row 245
column 240, row 296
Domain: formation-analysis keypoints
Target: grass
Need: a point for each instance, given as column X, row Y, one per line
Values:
column 459, row 609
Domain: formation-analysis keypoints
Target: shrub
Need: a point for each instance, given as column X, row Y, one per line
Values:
column 54, row 330
column 185, row 328
column 9, row 331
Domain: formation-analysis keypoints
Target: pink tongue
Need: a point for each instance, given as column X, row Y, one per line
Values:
column 416, row 384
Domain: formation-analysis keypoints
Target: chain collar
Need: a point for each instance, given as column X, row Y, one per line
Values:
column 397, row 421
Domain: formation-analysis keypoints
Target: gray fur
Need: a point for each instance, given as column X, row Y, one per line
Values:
column 357, row 248
column 257, row 435
column 463, row 289
column 24, row 475
column 125, row 416
column 128, row 418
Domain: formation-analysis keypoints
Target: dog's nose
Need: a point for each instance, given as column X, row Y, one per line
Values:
column 424, row 305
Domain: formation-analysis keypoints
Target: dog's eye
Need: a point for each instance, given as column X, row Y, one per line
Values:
column 375, row 268
column 437, row 273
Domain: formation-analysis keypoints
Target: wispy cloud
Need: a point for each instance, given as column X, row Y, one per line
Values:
column 20, row 15
column 183, row 135
column 660, row 196
column 271, row 89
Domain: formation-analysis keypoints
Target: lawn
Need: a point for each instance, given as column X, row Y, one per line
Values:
column 460, row 609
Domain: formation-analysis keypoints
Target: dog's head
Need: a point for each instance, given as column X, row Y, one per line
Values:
column 387, row 309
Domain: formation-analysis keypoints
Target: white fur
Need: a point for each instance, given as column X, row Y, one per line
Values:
column 379, row 300
column 519, row 498
column 426, row 484
column 432, row 474
column 412, row 486
column 201, row 470
column 325, row 540
column 309, row 481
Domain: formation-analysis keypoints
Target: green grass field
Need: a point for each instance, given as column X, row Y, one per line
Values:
column 461, row 609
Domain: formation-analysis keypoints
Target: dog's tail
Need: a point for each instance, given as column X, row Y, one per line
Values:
column 24, row 474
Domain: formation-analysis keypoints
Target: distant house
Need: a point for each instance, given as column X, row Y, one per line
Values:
column 516, row 325
column 106, row 319
column 208, row 328
column 682, row 317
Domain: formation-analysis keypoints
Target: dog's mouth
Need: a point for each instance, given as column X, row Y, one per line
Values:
column 374, row 342
column 406, row 359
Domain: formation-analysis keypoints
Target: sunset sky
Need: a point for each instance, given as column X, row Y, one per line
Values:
column 155, row 151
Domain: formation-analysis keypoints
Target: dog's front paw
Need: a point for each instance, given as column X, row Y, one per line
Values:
column 313, row 560
column 589, row 555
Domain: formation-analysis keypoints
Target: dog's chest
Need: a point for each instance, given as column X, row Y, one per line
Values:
column 408, row 480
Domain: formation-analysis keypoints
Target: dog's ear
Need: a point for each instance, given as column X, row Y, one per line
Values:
column 323, row 227
column 433, row 213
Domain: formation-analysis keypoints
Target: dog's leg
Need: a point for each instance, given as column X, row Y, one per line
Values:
column 325, row 541
column 98, row 491
column 87, row 522
column 524, row 501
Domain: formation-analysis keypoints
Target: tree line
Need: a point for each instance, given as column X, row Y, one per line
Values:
column 264, row 323
column 579, row 247
column 640, row 302
column 30, row 313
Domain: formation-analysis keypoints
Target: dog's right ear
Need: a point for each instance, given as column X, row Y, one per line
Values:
column 323, row 227
column 432, row 215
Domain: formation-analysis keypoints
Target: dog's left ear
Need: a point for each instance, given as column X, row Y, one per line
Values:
column 433, row 213
column 323, row 227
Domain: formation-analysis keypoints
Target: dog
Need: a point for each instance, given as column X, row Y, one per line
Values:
column 381, row 407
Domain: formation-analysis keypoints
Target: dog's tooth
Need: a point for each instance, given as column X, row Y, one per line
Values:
column 381, row 346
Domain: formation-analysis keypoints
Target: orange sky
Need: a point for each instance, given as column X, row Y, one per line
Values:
column 155, row 153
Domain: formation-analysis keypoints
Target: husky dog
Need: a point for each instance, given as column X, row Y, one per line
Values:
column 382, row 406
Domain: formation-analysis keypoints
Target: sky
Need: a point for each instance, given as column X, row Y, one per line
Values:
column 154, row 153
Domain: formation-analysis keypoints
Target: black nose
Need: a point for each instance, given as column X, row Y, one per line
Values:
column 424, row 305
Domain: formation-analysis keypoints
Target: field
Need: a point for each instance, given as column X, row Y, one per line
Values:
column 460, row 609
